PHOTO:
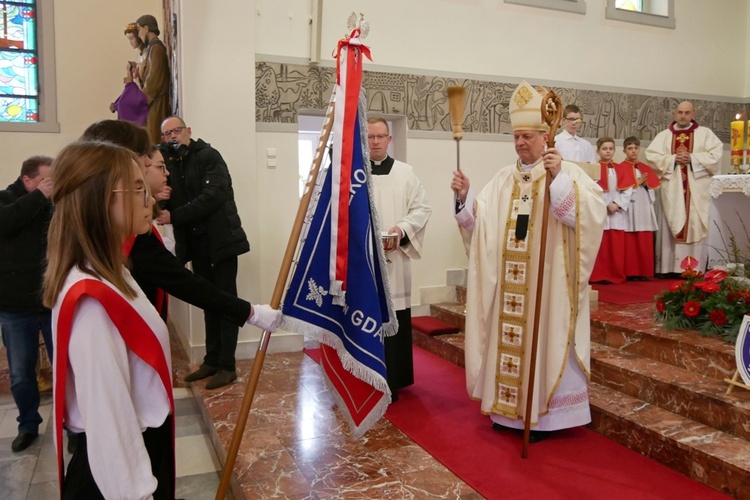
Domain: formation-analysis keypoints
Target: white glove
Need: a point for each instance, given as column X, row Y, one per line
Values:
column 265, row 317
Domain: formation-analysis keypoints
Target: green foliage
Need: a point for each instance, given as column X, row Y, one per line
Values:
column 712, row 304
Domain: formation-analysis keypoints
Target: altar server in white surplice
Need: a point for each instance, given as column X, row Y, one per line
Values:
column 402, row 207
column 685, row 156
column 501, row 228
column 573, row 147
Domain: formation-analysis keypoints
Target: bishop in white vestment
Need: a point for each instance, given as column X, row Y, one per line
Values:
column 501, row 230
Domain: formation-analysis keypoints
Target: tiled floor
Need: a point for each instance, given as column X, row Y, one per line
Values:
column 32, row 473
column 297, row 446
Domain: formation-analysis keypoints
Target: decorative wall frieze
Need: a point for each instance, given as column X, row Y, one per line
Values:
column 283, row 89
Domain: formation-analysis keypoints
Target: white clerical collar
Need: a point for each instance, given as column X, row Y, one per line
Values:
column 527, row 168
column 680, row 127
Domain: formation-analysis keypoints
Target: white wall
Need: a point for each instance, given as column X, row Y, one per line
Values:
column 218, row 78
column 706, row 54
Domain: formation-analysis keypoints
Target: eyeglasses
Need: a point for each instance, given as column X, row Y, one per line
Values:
column 381, row 137
column 175, row 130
column 574, row 120
column 146, row 194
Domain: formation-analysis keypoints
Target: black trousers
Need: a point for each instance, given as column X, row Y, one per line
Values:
column 221, row 335
column 399, row 362
column 79, row 484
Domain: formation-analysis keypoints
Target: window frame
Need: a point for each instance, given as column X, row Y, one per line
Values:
column 669, row 21
column 45, row 42
column 574, row 6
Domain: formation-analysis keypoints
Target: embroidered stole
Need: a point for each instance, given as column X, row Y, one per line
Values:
column 137, row 334
column 682, row 140
column 514, row 321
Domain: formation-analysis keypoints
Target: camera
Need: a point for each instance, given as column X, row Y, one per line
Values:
column 172, row 151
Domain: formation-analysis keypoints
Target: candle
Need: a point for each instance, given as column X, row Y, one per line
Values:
column 738, row 136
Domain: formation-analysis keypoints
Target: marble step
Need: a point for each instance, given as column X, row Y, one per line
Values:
column 450, row 346
column 632, row 328
column 680, row 391
column 715, row 458
column 453, row 313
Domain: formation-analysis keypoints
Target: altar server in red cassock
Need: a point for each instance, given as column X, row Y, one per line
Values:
column 639, row 236
column 617, row 184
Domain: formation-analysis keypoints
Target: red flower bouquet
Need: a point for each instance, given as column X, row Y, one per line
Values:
column 710, row 303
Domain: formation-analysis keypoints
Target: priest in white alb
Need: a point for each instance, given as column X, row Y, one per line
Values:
column 685, row 156
column 501, row 228
column 403, row 210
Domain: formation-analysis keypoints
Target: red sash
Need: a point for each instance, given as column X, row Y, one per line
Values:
column 137, row 334
column 682, row 140
column 161, row 297
column 652, row 181
column 625, row 177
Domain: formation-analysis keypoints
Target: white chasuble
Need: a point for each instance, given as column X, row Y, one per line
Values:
column 674, row 243
column 401, row 200
column 501, row 295
column 705, row 162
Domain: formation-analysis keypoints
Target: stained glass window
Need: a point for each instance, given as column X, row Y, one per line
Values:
column 19, row 62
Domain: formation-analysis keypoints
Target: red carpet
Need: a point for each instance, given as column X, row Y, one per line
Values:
column 572, row 464
column 632, row 292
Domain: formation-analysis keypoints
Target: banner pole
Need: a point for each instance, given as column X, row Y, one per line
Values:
column 551, row 115
column 278, row 291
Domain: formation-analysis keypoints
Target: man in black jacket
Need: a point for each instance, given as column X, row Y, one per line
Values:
column 25, row 213
column 207, row 232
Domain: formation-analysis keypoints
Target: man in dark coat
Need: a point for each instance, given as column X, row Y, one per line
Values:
column 25, row 213
column 208, row 233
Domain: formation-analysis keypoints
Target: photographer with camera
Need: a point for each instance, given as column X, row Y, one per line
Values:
column 208, row 232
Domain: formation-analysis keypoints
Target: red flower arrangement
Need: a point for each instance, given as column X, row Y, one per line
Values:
column 709, row 303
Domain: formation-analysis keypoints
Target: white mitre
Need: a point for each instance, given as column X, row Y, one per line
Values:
column 526, row 108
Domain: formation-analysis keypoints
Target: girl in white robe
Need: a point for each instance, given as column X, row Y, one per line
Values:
column 112, row 358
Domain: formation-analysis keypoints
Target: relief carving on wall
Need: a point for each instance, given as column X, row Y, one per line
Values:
column 282, row 90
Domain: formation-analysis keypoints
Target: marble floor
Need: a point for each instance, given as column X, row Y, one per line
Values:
column 296, row 445
column 32, row 473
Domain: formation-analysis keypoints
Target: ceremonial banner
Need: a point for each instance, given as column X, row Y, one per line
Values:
column 339, row 293
column 742, row 350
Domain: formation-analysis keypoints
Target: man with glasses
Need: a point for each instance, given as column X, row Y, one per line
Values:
column 571, row 146
column 208, row 233
column 402, row 208
column 25, row 213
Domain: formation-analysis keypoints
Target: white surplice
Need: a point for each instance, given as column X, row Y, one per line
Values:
column 401, row 200
column 575, row 148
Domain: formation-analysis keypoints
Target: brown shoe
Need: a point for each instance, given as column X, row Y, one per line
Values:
column 201, row 373
column 222, row 378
